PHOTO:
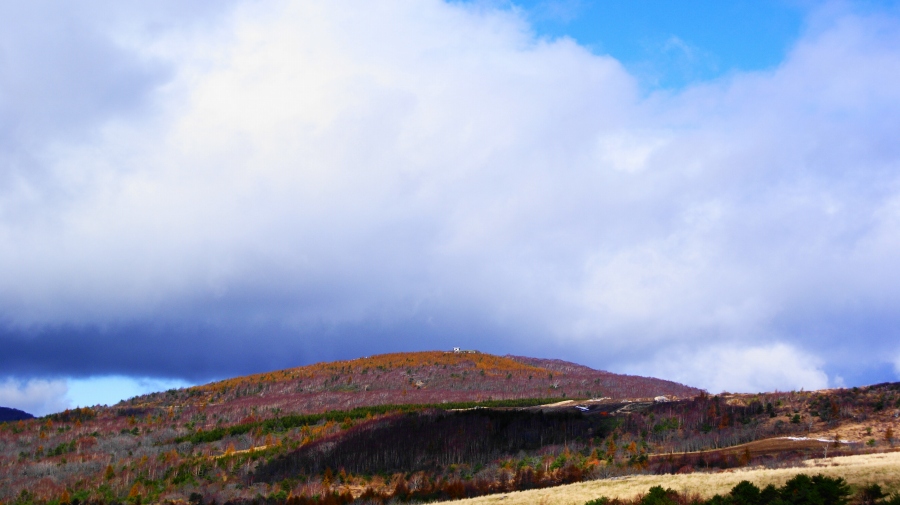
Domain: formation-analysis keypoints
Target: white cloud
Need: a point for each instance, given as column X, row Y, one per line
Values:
column 36, row 396
column 338, row 165
column 318, row 131
column 739, row 369
column 40, row 397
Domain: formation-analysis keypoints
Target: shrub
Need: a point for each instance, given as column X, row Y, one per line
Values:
column 745, row 493
column 800, row 490
column 659, row 496
column 870, row 495
column 816, row 490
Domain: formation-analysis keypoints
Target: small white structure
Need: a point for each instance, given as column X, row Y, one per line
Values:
column 456, row 350
column 660, row 399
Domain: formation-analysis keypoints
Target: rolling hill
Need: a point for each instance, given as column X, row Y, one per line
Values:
column 419, row 426
column 167, row 445
column 8, row 414
column 432, row 377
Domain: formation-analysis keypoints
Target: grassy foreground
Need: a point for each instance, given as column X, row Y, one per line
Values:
column 882, row 469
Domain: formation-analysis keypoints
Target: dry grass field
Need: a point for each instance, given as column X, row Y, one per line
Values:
column 882, row 469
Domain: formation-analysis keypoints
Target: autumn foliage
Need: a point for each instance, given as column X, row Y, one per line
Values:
column 404, row 427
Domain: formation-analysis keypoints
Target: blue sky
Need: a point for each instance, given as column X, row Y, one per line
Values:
column 707, row 192
column 671, row 44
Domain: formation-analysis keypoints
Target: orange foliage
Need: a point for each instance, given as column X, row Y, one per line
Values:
column 135, row 491
column 87, row 442
column 745, row 457
column 724, row 422
column 495, row 365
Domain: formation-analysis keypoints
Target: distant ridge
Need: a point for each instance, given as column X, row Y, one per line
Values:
column 8, row 414
column 428, row 377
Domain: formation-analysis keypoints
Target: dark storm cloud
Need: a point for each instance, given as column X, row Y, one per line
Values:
column 267, row 185
column 200, row 350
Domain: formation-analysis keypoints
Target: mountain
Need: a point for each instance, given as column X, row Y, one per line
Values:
column 8, row 414
column 434, row 415
column 425, row 426
column 431, row 377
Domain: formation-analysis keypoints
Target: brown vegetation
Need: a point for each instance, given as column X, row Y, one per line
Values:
column 862, row 470
column 269, row 434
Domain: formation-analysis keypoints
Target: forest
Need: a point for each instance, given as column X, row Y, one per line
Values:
column 434, row 439
column 221, row 443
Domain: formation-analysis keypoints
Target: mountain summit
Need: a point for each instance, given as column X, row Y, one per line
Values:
column 430, row 377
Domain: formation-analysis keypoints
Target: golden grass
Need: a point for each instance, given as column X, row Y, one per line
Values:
column 882, row 469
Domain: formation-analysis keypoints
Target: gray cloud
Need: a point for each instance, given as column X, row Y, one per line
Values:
column 301, row 182
column 36, row 396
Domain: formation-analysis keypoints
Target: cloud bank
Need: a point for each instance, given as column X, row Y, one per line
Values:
column 37, row 397
column 265, row 185
column 748, row 369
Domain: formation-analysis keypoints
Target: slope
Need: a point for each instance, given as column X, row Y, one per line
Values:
column 431, row 377
column 8, row 414
column 216, row 439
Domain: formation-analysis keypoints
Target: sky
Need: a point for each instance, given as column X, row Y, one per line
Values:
column 707, row 192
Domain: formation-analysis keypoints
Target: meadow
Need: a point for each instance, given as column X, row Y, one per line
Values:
column 859, row 470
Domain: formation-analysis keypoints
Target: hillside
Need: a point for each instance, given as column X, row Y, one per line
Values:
column 8, row 414
column 546, row 446
column 410, row 378
column 170, row 443
column 420, row 426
